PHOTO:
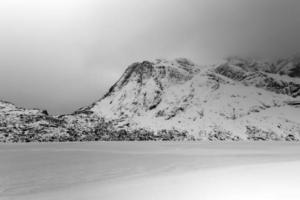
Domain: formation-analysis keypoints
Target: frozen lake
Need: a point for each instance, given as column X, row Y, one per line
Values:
column 40, row 171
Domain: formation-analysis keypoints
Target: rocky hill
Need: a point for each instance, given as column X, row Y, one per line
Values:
column 34, row 125
column 241, row 99
column 23, row 125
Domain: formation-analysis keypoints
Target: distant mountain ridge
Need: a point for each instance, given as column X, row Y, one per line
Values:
column 240, row 99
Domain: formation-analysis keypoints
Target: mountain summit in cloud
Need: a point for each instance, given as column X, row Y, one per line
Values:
column 240, row 99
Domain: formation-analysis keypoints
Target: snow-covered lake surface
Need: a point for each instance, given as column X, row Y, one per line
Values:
column 150, row 170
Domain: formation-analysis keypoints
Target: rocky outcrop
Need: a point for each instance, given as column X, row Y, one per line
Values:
column 255, row 134
column 25, row 125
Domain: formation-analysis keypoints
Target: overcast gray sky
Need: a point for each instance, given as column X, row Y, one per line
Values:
column 64, row 54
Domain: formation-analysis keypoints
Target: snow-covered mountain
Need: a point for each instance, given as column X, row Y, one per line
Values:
column 241, row 99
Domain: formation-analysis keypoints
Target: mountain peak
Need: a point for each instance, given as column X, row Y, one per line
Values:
column 163, row 70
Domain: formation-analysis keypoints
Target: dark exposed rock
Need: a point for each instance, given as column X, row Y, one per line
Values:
column 291, row 137
column 45, row 112
column 258, row 134
column 221, row 135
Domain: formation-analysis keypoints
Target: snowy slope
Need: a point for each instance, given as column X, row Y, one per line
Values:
column 235, row 100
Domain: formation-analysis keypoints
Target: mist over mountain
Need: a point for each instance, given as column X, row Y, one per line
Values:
column 240, row 99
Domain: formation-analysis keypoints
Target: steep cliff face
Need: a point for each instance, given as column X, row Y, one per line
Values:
column 227, row 102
